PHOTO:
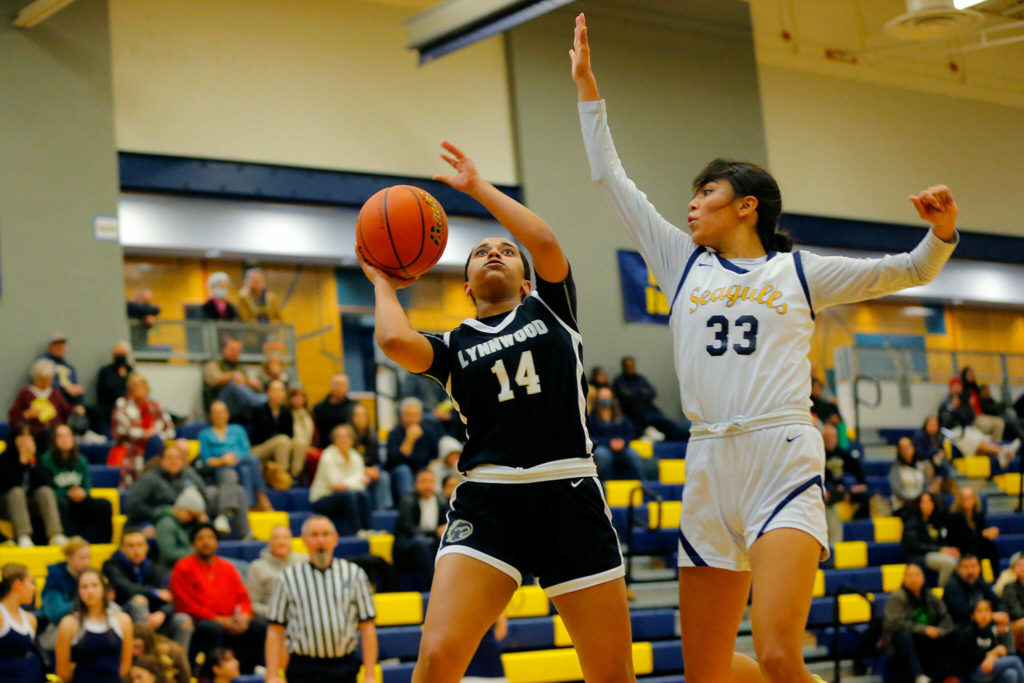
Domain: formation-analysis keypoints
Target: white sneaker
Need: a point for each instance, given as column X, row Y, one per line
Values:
column 222, row 525
column 922, row 679
column 59, row 540
column 1008, row 452
column 25, row 541
column 653, row 435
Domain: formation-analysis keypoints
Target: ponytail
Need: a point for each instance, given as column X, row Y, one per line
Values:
column 750, row 180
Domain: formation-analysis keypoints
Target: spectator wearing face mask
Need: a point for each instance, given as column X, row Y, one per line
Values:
column 217, row 307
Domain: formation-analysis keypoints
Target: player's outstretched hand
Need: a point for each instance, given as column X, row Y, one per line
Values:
column 582, row 73
column 378, row 276
column 466, row 178
column 937, row 206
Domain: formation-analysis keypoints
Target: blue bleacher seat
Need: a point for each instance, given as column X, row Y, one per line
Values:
column 670, row 449
column 894, row 434
column 666, row 491
column 668, row 656
column 529, row 633
column 866, row 579
column 399, row 642
column 96, row 453
column 281, row 500
column 1008, row 544
column 240, row 550
column 876, row 468
column 299, row 499
column 295, row 520
column 105, row 477
column 885, row 553
column 879, row 485
column 385, row 520
column 1008, row 522
column 5, row 429
column 397, row 673
column 859, row 530
column 191, row 430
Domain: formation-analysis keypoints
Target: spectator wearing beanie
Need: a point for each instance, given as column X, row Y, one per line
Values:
column 175, row 523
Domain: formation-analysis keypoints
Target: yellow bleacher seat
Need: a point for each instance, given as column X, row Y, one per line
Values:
column 299, row 546
column 645, row 449
column 1008, row 483
column 850, row 554
column 617, row 491
column 562, row 638
column 528, row 601
column 819, row 584
column 193, row 447
column 844, row 510
column 986, row 571
column 37, row 559
column 101, row 552
column 381, row 545
column 892, row 576
column 395, row 609
column 119, row 522
column 3, row 447
column 382, row 434
column 113, row 495
column 888, row 529
column 670, row 511
column 262, row 523
column 672, row 471
column 548, row 666
column 975, row 466
column 853, row 609
column 5, row 527
column 938, row 592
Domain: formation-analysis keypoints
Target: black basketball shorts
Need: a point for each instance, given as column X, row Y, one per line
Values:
column 560, row 531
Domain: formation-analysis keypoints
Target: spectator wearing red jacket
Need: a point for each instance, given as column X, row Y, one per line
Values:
column 210, row 590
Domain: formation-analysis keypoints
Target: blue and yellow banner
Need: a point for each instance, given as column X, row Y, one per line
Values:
column 642, row 298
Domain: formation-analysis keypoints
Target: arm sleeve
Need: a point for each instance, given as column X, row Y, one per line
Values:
column 55, row 605
column 833, row 280
column 440, row 367
column 364, row 597
column 206, row 446
column 560, row 297
column 184, row 600
column 277, row 608
column 664, row 247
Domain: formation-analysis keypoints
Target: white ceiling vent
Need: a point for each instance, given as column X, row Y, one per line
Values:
column 933, row 20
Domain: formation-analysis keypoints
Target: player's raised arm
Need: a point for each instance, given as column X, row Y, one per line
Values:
column 396, row 337
column 582, row 73
column 530, row 229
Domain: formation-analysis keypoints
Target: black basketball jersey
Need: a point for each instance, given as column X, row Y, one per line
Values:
column 517, row 381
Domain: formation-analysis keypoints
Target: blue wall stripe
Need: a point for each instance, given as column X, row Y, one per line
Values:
column 264, row 182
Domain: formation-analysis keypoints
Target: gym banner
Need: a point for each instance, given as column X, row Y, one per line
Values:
column 642, row 298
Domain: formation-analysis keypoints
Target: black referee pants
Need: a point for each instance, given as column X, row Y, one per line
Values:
column 302, row 669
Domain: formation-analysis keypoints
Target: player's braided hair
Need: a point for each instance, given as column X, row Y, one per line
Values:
column 751, row 180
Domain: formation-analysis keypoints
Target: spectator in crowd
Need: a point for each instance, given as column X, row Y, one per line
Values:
column 844, row 475
column 956, row 415
column 273, row 368
column 140, row 588
column 23, row 490
column 94, row 642
column 991, row 425
column 990, row 406
column 412, row 445
column 41, row 406
column 264, row 572
column 224, row 448
column 66, row 471
column 827, row 411
column 272, row 431
column 967, row 587
column 224, row 379
column 162, row 485
column 219, row 666
column 335, row 409
column 421, row 523
column 61, row 587
column 450, row 421
column 325, row 591
column 141, row 427
column 175, row 524
column 611, row 432
column 598, row 379
column 968, row 530
column 255, row 303
column 111, row 384
column 217, row 307
column 339, row 490
column 20, row 657
column 172, row 657
column 447, row 465
column 378, row 480
column 908, row 477
column 146, row 669
column 429, row 392
column 303, row 427
column 65, row 376
column 1013, row 596
column 142, row 315
column 636, row 396
column 916, row 630
column 983, row 649
column 210, row 590
column 450, row 483
column 930, row 445
column 925, row 537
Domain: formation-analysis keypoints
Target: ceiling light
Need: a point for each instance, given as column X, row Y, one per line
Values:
column 39, row 11
column 964, row 4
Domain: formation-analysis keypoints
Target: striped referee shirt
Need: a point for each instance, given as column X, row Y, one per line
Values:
column 321, row 609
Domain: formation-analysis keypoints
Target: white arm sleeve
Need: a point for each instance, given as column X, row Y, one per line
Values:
column 834, row 280
column 665, row 247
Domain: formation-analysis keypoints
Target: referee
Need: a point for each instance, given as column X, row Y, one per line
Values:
column 321, row 608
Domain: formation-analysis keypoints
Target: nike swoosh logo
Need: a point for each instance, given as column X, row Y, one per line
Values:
column 789, row 440
column 576, row 483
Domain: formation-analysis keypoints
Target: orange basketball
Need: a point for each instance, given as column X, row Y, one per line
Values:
column 402, row 230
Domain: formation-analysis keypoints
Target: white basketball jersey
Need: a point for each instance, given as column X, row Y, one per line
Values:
column 742, row 337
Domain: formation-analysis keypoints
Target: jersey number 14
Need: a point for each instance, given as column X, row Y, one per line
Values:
column 526, row 376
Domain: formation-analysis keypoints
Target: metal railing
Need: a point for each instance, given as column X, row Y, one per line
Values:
column 200, row 340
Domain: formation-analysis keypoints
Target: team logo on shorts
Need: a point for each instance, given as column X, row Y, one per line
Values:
column 458, row 530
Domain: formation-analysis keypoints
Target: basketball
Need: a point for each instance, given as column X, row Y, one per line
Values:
column 402, row 230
